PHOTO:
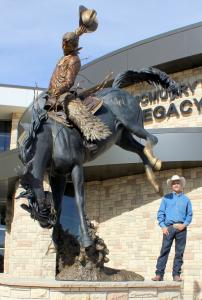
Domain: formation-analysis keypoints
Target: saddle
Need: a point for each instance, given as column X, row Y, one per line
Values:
column 93, row 103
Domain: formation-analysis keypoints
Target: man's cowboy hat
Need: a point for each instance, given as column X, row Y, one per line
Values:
column 176, row 177
column 87, row 18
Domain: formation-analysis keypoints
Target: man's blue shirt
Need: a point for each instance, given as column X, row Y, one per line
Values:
column 174, row 208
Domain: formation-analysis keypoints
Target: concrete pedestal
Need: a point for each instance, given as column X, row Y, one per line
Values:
column 24, row 289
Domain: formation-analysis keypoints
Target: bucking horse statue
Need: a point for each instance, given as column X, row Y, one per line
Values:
column 46, row 145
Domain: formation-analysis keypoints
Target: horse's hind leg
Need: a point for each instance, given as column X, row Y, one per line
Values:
column 128, row 142
column 138, row 130
column 144, row 134
column 78, row 181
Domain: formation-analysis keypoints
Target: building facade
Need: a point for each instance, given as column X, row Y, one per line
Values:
column 118, row 195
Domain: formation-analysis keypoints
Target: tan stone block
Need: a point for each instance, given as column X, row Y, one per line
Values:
column 98, row 296
column 117, row 296
column 169, row 295
column 69, row 296
column 86, row 289
column 56, row 296
column 40, row 293
column 5, row 291
column 20, row 293
column 6, row 298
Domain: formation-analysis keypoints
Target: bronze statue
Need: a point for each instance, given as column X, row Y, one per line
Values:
column 69, row 65
column 64, row 74
column 59, row 94
column 59, row 148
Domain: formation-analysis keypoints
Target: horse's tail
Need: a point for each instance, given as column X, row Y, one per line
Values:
column 150, row 75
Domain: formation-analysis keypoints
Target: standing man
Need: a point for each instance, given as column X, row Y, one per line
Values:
column 174, row 215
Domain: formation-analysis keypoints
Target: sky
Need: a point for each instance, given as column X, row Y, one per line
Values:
column 31, row 31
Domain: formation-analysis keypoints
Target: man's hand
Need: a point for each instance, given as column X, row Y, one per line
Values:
column 165, row 230
column 180, row 227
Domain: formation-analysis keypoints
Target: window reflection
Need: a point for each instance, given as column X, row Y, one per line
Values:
column 2, row 237
column 1, row 261
column 69, row 218
column 5, row 133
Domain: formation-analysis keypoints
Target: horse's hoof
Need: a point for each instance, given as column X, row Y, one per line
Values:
column 151, row 177
column 160, row 191
column 157, row 165
column 46, row 226
column 157, row 187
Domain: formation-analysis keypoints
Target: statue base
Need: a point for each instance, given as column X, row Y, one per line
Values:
column 87, row 264
column 90, row 273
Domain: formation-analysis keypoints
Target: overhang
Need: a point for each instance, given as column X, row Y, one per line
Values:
column 177, row 148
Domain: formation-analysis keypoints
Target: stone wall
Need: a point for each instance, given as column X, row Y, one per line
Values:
column 15, row 289
column 126, row 211
column 28, row 247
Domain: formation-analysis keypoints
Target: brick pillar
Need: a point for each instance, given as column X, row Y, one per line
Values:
column 26, row 246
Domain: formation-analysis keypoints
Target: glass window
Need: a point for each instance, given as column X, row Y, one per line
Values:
column 1, row 261
column 69, row 218
column 5, row 134
column 2, row 237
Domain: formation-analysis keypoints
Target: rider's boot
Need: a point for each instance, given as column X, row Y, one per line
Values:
column 89, row 145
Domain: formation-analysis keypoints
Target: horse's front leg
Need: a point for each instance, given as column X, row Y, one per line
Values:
column 78, row 181
column 40, row 205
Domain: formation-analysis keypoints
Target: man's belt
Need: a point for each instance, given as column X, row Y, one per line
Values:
column 176, row 224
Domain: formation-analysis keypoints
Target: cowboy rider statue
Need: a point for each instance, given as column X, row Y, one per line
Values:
column 64, row 75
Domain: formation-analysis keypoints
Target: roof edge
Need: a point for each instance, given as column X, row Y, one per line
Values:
column 22, row 87
column 144, row 41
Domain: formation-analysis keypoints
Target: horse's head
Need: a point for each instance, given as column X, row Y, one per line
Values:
column 46, row 216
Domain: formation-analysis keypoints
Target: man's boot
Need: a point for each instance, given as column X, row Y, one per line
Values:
column 157, row 278
column 177, row 278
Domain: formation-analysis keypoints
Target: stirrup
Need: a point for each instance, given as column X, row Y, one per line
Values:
column 62, row 115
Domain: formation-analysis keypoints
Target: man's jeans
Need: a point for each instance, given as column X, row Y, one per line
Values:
column 180, row 242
